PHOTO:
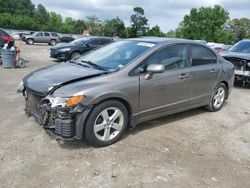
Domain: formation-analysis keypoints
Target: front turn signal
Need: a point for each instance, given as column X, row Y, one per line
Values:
column 74, row 100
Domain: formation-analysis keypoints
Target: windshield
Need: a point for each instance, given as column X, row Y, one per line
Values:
column 242, row 46
column 80, row 41
column 118, row 54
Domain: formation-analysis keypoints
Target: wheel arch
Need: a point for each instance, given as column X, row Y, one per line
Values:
column 30, row 39
column 227, row 86
column 83, row 118
column 52, row 39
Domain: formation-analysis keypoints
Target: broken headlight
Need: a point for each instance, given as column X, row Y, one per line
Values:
column 65, row 101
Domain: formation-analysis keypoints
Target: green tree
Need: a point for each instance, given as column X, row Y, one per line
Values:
column 170, row 34
column 54, row 22
column 11, row 21
column 204, row 24
column 79, row 26
column 93, row 25
column 156, row 31
column 139, row 23
column 20, row 7
column 114, row 27
column 41, row 15
column 240, row 28
column 67, row 26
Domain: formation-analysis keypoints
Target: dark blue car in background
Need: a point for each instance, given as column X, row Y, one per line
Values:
column 67, row 51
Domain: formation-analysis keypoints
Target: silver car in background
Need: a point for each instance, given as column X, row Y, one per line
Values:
column 51, row 38
column 98, row 95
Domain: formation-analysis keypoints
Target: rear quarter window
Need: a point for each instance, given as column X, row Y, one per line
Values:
column 54, row 34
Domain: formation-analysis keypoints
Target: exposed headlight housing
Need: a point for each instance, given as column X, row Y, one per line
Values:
column 65, row 101
column 58, row 101
column 64, row 50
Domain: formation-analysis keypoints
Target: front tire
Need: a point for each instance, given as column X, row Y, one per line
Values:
column 218, row 98
column 106, row 123
column 30, row 41
column 75, row 55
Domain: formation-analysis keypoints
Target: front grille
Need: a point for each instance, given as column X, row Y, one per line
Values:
column 53, row 51
column 64, row 127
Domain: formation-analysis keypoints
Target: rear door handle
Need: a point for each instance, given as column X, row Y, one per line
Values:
column 213, row 71
column 183, row 76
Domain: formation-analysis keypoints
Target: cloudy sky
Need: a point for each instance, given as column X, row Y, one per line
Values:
column 165, row 13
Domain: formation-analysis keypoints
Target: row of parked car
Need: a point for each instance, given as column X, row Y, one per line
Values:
column 31, row 37
column 52, row 38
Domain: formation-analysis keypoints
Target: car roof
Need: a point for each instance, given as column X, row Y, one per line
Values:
column 248, row 40
column 159, row 40
column 96, row 37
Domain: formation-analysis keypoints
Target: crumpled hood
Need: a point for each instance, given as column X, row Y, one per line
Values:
column 62, row 73
column 236, row 54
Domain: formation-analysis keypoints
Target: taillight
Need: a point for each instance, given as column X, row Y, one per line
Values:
column 8, row 38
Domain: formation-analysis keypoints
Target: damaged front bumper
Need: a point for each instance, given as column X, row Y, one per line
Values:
column 65, row 123
column 242, row 69
column 241, row 75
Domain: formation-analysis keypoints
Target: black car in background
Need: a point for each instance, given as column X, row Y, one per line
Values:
column 77, row 47
column 239, row 55
column 4, row 38
column 66, row 39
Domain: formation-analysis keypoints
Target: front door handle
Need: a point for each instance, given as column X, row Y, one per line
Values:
column 213, row 71
column 183, row 76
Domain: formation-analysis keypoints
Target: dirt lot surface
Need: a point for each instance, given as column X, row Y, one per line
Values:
column 190, row 149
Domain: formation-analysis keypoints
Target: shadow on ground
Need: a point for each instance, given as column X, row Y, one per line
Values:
column 163, row 121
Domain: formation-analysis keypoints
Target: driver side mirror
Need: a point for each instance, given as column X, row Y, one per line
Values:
column 154, row 69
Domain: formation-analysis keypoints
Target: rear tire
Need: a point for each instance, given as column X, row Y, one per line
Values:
column 53, row 42
column 218, row 98
column 106, row 123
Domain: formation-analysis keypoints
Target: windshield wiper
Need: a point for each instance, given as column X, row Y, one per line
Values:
column 94, row 65
column 75, row 62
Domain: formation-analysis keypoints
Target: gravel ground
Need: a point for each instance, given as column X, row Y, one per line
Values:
column 195, row 148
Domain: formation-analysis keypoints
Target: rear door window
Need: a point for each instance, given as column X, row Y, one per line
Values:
column 47, row 34
column 95, row 42
column 54, row 34
column 104, row 41
column 202, row 56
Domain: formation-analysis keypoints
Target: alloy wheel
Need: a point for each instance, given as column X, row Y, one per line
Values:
column 53, row 43
column 108, row 124
column 219, row 97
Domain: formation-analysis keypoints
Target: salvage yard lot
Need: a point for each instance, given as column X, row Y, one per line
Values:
column 195, row 148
